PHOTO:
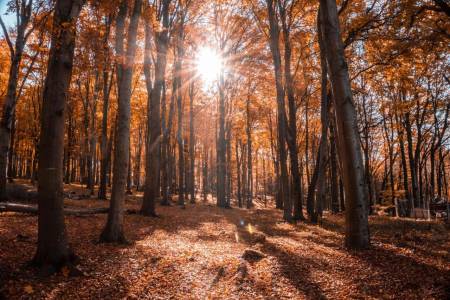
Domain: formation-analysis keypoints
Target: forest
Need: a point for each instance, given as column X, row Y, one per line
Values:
column 224, row 149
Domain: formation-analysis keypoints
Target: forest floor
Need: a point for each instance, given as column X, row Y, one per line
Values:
column 197, row 253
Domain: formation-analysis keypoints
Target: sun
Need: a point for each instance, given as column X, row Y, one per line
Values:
column 209, row 64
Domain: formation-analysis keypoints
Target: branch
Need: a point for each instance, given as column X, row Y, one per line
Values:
column 33, row 209
column 8, row 40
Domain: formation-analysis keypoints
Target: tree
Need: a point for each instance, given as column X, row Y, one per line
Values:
column 52, row 249
column 24, row 12
column 357, row 228
column 113, row 231
column 153, row 154
column 274, row 32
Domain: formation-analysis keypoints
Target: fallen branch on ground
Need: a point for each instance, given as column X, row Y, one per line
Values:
column 33, row 209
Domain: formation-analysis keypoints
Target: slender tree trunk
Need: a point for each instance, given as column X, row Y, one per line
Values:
column 249, row 194
column 111, row 141
column 238, row 172
column 276, row 166
column 12, row 169
column 113, row 231
column 70, row 136
column 324, row 112
column 10, row 101
column 357, row 228
column 93, row 134
column 166, row 169
column 221, row 147
column 282, row 124
column 129, row 173
column 333, row 171
column 229, row 178
column 180, row 140
column 137, row 163
column 291, row 136
column 412, row 163
column 107, row 84
column 52, row 248
column 205, row 174
column 191, row 143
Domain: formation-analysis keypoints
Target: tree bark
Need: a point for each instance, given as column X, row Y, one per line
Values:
column 107, row 84
column 291, row 137
column 191, row 143
column 153, row 149
column 221, row 147
column 249, row 194
column 357, row 228
column 53, row 249
column 113, row 231
column 281, row 110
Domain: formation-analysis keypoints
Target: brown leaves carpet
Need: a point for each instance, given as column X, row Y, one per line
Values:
column 196, row 253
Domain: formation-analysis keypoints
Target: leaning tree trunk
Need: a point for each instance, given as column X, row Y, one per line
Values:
column 357, row 228
column 52, row 248
column 113, row 231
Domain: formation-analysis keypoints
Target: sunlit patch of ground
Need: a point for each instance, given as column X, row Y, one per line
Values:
column 196, row 253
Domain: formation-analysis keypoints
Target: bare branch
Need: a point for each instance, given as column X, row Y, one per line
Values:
column 8, row 40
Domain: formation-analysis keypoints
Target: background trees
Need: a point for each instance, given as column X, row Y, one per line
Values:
column 278, row 121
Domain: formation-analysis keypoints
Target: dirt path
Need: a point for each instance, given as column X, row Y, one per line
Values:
column 196, row 253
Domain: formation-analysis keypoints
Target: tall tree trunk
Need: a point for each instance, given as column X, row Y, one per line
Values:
column 93, row 133
column 191, row 143
column 291, row 137
column 137, row 162
column 180, row 140
column 52, row 247
column 166, row 170
column 333, row 172
column 357, row 228
column 205, row 174
column 10, row 101
column 153, row 149
column 401, row 141
column 107, row 84
column 249, row 194
column 412, row 163
column 12, row 169
column 129, row 173
column 238, row 172
column 281, row 111
column 70, row 137
column 276, row 166
column 113, row 231
column 221, row 147
column 324, row 112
